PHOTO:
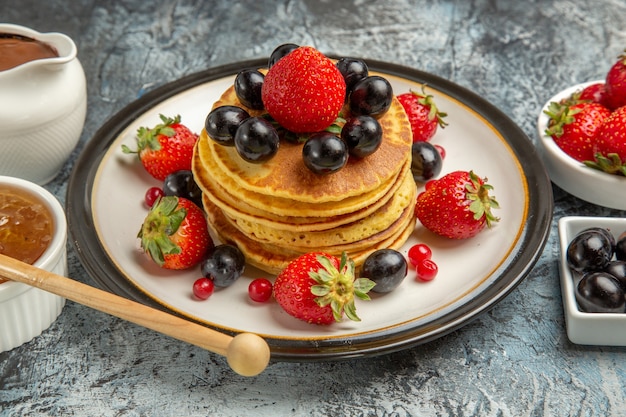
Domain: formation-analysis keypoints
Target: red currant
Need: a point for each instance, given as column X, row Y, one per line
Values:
column 203, row 288
column 441, row 150
column 418, row 253
column 260, row 290
column 427, row 270
column 152, row 195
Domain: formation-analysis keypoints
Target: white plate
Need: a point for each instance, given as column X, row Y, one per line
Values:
column 107, row 188
column 586, row 183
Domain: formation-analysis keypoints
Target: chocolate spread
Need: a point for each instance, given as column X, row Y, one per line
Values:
column 16, row 50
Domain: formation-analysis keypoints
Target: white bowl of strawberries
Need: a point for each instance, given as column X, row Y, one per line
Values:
column 582, row 132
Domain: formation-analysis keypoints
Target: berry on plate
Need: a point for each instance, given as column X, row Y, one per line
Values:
column 419, row 253
column 164, row 148
column 182, row 184
column 248, row 84
column 260, row 290
column 223, row 264
column 426, row 161
column 423, row 113
column 152, row 195
column 574, row 126
column 371, row 95
column 174, row 233
column 610, row 145
column 279, row 52
column 304, row 91
column 256, row 140
column 203, row 288
column 319, row 288
column 324, row 153
column 387, row 268
column 363, row 135
column 222, row 122
column 457, row 205
column 616, row 83
column 353, row 71
column 427, row 270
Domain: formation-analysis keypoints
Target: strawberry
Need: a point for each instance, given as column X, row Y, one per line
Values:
column 304, row 91
column 165, row 148
column 457, row 205
column 319, row 288
column 616, row 83
column 595, row 92
column 175, row 233
column 424, row 115
column 610, row 146
column 573, row 127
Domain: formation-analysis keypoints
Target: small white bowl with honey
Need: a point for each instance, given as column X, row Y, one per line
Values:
column 33, row 229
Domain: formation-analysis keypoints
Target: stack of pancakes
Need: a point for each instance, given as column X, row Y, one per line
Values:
column 278, row 210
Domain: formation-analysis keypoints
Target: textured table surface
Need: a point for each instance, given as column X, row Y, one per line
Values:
column 514, row 360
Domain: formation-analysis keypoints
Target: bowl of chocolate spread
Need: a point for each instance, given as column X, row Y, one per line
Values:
column 43, row 102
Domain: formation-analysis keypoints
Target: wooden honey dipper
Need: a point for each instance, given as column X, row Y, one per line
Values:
column 246, row 353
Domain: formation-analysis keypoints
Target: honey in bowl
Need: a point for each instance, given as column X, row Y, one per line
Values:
column 17, row 50
column 26, row 224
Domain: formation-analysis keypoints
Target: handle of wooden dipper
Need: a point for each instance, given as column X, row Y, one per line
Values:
column 247, row 354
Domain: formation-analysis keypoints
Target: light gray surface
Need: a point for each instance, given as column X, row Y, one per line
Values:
column 513, row 361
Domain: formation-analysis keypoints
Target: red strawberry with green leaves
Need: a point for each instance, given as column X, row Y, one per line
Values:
column 573, row 127
column 616, row 84
column 164, row 148
column 319, row 288
column 423, row 114
column 304, row 91
column 594, row 92
column 610, row 146
column 175, row 234
column 457, row 205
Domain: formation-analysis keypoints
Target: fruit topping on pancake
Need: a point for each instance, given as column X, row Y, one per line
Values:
column 304, row 91
column 304, row 98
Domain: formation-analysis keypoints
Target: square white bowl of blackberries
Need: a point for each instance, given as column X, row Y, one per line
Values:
column 593, row 279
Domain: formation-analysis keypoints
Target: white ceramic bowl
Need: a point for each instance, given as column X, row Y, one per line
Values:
column 25, row 311
column 583, row 182
column 42, row 109
column 607, row 329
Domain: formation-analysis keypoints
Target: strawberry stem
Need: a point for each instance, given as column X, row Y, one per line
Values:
column 560, row 114
column 611, row 164
column 482, row 202
column 429, row 101
column 149, row 137
column 162, row 221
column 337, row 287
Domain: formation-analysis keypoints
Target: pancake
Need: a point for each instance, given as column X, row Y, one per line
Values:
column 236, row 207
column 274, row 259
column 379, row 222
column 207, row 171
column 286, row 176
